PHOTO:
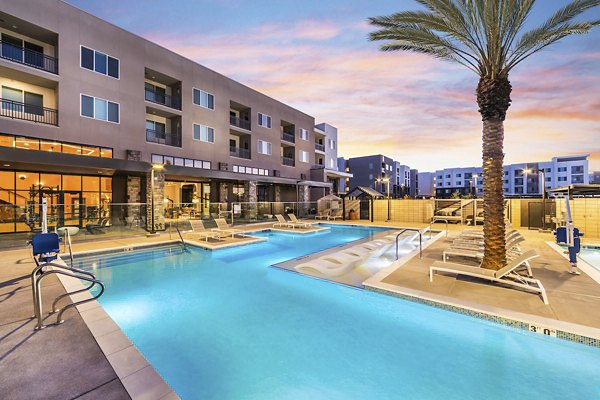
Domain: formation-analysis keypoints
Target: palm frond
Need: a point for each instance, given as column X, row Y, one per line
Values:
column 484, row 35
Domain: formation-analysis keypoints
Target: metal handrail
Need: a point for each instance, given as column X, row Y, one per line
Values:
column 240, row 123
column 438, row 219
column 28, row 112
column 28, row 57
column 70, row 271
column 68, row 242
column 180, row 236
column 162, row 98
column 420, row 240
column 289, row 137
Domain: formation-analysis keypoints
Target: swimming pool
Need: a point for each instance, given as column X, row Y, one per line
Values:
column 223, row 325
column 591, row 255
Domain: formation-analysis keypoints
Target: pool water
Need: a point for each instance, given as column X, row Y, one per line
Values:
column 591, row 255
column 224, row 325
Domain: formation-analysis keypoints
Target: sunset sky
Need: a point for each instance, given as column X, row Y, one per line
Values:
column 314, row 55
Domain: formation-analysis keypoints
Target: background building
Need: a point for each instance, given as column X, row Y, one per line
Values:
column 523, row 179
column 595, row 177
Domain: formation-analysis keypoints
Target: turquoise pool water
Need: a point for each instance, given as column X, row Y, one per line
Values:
column 591, row 255
column 223, row 325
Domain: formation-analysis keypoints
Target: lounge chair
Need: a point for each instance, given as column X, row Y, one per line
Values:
column 199, row 229
column 99, row 227
column 281, row 222
column 298, row 222
column 224, row 227
column 323, row 214
column 341, row 262
column 335, row 214
column 506, row 275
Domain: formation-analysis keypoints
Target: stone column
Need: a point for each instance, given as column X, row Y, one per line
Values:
column 159, row 200
column 250, row 198
column 134, row 187
column 303, row 199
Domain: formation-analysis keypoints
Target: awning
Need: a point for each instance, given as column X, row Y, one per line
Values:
column 577, row 190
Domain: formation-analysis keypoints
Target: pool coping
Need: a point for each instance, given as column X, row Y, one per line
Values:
column 137, row 375
column 569, row 331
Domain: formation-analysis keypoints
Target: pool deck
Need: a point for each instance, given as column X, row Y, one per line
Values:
column 67, row 362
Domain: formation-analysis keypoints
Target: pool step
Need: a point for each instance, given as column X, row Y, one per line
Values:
column 109, row 260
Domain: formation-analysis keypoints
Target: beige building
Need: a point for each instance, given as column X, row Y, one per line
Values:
column 87, row 109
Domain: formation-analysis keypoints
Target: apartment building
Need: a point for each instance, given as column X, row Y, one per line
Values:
column 595, row 177
column 375, row 171
column 522, row 179
column 87, row 109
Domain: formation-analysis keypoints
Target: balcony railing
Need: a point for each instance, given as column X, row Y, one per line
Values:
column 288, row 161
column 240, row 123
column 28, row 57
column 318, row 166
column 319, row 146
column 28, row 112
column 240, row 153
column 170, row 139
column 288, row 137
column 164, row 99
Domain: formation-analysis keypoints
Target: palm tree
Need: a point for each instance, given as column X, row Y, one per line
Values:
column 486, row 36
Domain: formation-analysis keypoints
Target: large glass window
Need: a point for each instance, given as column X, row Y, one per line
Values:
column 100, row 109
column 99, row 62
column 203, row 99
column 204, row 133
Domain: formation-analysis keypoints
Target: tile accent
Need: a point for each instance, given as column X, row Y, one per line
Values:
column 509, row 322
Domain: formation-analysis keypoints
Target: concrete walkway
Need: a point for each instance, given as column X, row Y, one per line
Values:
column 59, row 362
column 574, row 299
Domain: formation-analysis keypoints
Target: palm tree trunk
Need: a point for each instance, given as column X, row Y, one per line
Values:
column 493, row 97
column 494, row 253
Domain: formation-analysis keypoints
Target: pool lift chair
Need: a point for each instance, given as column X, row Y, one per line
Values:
column 46, row 247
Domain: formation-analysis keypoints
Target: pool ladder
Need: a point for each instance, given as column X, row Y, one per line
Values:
column 420, row 240
column 38, row 275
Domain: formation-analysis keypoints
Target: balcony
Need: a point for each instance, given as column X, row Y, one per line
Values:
column 28, row 112
column 288, row 161
column 317, row 166
column 240, row 123
column 320, row 147
column 162, row 98
column 288, row 137
column 160, row 137
column 31, row 58
column 239, row 153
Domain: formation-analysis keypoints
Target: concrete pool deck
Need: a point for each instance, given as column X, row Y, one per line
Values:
column 65, row 361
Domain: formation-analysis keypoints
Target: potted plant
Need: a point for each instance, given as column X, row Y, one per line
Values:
column 353, row 214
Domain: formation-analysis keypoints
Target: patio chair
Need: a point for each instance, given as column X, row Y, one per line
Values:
column 46, row 247
column 98, row 228
column 335, row 214
column 298, row 222
column 224, row 227
column 199, row 229
column 281, row 222
column 323, row 214
column 506, row 276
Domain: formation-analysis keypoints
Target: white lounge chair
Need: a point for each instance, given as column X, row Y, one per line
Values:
column 506, row 275
column 223, row 227
column 335, row 214
column 299, row 223
column 281, row 222
column 199, row 229
column 323, row 214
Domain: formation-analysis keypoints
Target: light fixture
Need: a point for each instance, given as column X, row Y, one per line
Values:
column 6, row 165
column 158, row 166
column 22, row 177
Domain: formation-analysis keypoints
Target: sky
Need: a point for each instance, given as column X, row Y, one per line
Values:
column 314, row 55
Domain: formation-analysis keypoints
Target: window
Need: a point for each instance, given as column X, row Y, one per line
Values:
column 370, row 165
column 562, row 178
column 156, row 129
column 104, row 110
column 303, row 134
column 505, row 173
column 20, row 101
column 187, row 162
column 577, row 169
column 203, row 99
column 459, row 183
column 264, row 120
column 264, row 147
column 448, row 176
column 370, row 177
column 204, row 133
column 331, row 144
column 459, row 175
column 331, row 163
column 99, row 62
column 304, row 156
column 562, row 169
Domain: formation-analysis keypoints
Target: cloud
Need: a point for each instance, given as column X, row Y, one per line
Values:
column 416, row 109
